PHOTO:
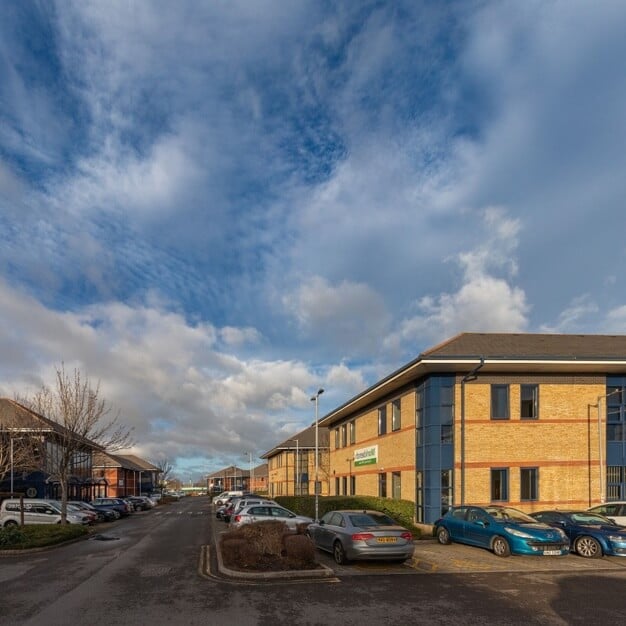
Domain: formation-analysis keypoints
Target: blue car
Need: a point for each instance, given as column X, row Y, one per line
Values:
column 502, row 529
column 592, row 535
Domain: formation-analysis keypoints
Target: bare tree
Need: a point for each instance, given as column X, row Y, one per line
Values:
column 163, row 474
column 85, row 423
column 21, row 439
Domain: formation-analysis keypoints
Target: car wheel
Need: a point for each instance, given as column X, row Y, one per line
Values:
column 443, row 536
column 588, row 547
column 339, row 553
column 500, row 547
column 10, row 522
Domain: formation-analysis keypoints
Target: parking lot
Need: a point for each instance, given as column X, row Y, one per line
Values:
column 432, row 557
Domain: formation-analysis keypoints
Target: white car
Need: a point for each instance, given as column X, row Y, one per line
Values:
column 613, row 510
column 36, row 511
column 266, row 512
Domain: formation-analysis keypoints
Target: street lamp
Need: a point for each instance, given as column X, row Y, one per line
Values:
column 350, row 476
column 250, row 471
column 296, row 466
column 316, row 399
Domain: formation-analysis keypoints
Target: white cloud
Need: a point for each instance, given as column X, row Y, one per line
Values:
column 351, row 316
column 484, row 302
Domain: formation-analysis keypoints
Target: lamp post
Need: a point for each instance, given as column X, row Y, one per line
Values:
column 600, row 457
column 296, row 467
column 350, row 476
column 250, row 471
column 316, row 399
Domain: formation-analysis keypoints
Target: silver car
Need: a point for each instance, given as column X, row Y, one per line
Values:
column 264, row 512
column 350, row 535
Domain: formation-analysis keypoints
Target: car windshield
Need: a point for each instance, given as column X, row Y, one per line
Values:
column 510, row 514
column 371, row 519
column 590, row 518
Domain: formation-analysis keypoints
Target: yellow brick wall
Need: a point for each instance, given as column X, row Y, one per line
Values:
column 562, row 443
column 396, row 450
column 281, row 472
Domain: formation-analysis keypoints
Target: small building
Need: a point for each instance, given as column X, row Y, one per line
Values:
column 530, row 420
column 291, row 464
column 121, row 475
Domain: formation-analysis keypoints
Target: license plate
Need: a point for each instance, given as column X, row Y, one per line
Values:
column 387, row 540
column 551, row 552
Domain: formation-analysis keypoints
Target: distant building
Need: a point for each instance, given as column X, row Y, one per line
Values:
column 291, row 464
column 120, row 475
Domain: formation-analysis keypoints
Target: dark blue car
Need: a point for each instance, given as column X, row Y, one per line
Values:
column 502, row 529
column 592, row 535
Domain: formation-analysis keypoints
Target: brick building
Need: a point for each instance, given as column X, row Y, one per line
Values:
column 291, row 464
column 531, row 420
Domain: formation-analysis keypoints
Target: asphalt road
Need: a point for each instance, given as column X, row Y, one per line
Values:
column 152, row 570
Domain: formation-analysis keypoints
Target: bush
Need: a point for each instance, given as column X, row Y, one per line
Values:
column 266, row 546
column 11, row 536
column 39, row 535
column 402, row 511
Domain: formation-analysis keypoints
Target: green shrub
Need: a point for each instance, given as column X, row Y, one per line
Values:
column 39, row 535
column 11, row 536
column 402, row 511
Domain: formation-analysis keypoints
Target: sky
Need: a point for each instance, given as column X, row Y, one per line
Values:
column 215, row 208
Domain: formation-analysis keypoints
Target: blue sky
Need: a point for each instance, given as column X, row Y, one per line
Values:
column 216, row 208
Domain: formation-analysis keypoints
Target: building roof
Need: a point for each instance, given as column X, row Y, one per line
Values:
column 529, row 345
column 16, row 415
column 305, row 441
column 599, row 355
column 125, row 461
column 139, row 462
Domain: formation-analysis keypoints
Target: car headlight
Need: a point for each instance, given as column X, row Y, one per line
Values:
column 517, row 533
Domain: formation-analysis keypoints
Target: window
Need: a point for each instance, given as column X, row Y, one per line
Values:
column 529, row 402
column 446, row 433
column 336, row 438
column 499, row 402
column 446, row 490
column 344, row 483
column 499, row 484
column 396, row 485
column 395, row 415
column 382, row 420
column 382, row 485
column 352, row 432
column 344, row 435
column 352, row 485
column 337, row 486
column 529, row 483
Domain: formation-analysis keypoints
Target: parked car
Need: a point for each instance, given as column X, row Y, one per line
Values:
column 361, row 534
column 264, row 512
column 591, row 535
column 222, row 497
column 102, row 514
column 502, row 529
column 90, row 516
column 36, row 511
column 237, row 504
column 117, row 504
column 140, row 503
column 615, row 511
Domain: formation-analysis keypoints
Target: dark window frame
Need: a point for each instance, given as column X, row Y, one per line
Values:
column 500, row 406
